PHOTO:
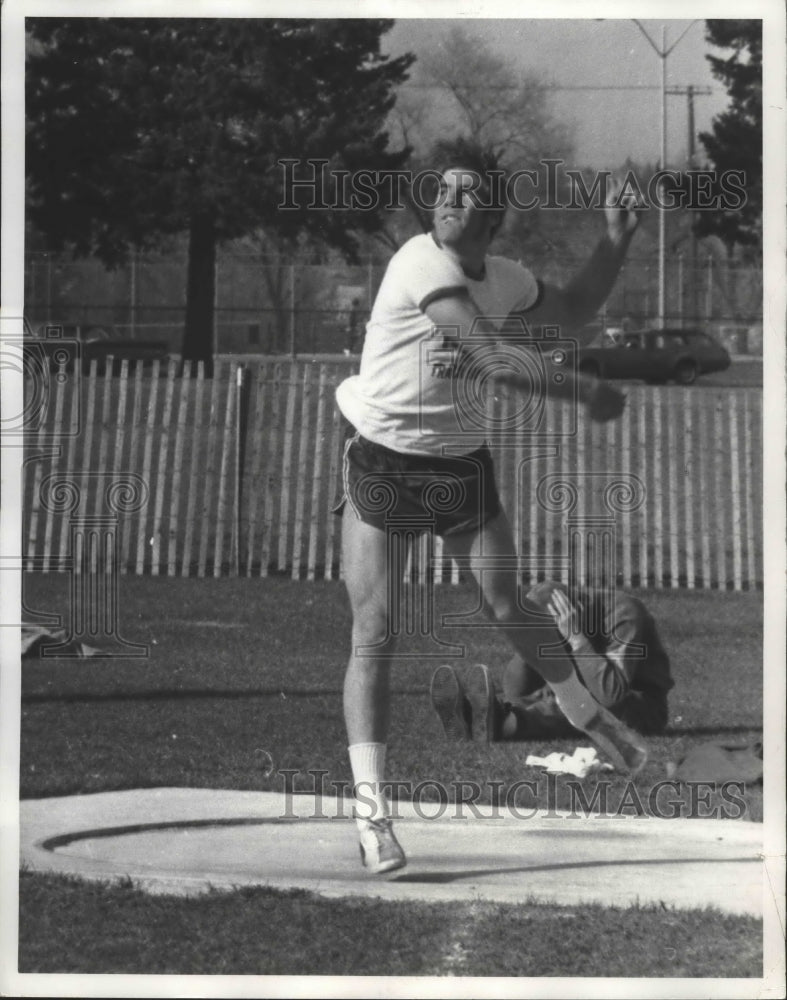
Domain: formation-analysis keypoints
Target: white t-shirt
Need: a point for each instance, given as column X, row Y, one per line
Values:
column 403, row 396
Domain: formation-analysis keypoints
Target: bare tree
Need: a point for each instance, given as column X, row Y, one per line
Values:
column 461, row 87
column 477, row 92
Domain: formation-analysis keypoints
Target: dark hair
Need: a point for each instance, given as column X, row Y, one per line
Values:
column 464, row 153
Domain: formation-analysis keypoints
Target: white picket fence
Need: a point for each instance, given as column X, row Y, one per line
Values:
column 188, row 476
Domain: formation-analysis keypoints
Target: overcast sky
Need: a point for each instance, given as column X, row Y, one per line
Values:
column 608, row 125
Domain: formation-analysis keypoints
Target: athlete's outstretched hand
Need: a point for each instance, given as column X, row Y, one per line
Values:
column 622, row 212
column 604, row 402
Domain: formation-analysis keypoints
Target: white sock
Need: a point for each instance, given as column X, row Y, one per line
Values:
column 367, row 761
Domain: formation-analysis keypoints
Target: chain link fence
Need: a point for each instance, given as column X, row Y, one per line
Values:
column 267, row 306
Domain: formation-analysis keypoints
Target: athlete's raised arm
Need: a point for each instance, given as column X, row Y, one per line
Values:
column 575, row 304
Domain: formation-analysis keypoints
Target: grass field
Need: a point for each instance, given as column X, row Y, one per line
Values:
column 266, row 932
column 237, row 667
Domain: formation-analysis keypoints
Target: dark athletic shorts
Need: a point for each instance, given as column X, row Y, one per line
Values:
column 386, row 488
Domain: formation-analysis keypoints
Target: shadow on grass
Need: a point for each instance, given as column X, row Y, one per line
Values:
column 169, row 694
column 709, row 730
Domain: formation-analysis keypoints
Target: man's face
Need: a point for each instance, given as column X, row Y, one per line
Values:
column 459, row 221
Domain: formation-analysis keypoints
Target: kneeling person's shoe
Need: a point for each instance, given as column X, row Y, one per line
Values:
column 380, row 850
column 451, row 705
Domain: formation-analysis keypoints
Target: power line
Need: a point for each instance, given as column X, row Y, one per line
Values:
column 679, row 88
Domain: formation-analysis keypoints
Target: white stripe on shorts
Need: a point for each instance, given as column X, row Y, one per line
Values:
column 346, row 473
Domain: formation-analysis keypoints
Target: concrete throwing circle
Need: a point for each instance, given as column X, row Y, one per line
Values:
column 185, row 840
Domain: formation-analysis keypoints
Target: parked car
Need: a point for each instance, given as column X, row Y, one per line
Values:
column 654, row 355
column 60, row 344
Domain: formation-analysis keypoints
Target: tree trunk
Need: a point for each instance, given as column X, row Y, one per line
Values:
column 276, row 281
column 200, row 291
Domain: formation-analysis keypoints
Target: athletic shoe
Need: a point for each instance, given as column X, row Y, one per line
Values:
column 380, row 850
column 623, row 746
column 480, row 693
column 449, row 702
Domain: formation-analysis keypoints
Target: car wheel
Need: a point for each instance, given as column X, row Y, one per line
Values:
column 686, row 373
column 590, row 368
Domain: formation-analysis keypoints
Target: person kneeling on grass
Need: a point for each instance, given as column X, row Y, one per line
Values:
column 619, row 658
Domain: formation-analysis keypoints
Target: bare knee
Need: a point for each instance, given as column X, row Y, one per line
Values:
column 372, row 627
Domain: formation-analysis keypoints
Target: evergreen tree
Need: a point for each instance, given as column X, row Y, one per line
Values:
column 143, row 128
column 735, row 140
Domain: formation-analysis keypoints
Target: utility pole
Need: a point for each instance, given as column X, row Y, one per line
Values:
column 690, row 117
column 663, row 54
column 691, row 91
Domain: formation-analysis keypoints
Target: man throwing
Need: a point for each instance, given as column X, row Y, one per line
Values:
column 407, row 463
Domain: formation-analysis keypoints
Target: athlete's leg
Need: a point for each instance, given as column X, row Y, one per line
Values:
column 537, row 640
column 519, row 679
column 531, row 709
column 537, row 718
column 367, row 684
column 527, row 628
